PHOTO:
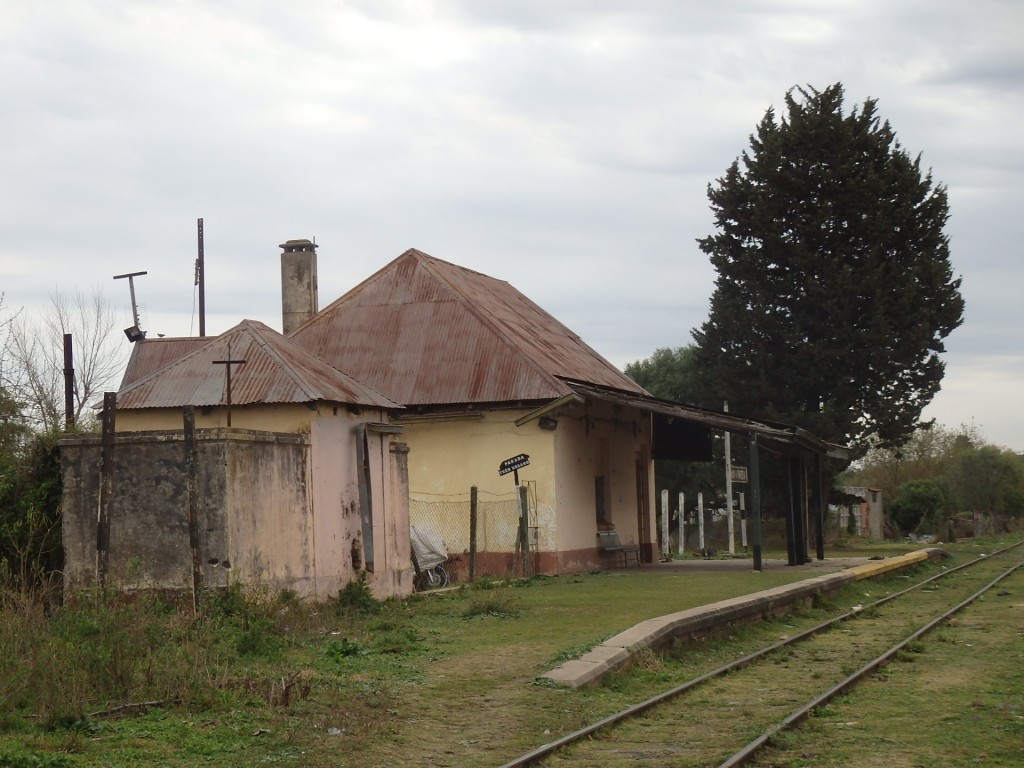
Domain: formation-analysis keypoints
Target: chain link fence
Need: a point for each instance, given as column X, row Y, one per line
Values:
column 496, row 532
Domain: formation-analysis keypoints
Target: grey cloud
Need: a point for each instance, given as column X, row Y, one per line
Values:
column 563, row 146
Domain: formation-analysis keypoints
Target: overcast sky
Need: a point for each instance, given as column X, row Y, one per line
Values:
column 563, row 145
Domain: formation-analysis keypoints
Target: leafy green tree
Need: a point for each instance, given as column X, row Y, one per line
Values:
column 670, row 373
column 921, row 505
column 834, row 290
column 928, row 454
column 989, row 479
column 30, row 494
column 13, row 430
column 30, row 483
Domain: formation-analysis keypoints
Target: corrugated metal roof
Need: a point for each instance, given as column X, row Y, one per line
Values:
column 771, row 431
column 427, row 332
column 149, row 355
column 275, row 370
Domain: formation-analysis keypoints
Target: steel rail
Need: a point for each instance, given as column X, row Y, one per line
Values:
column 546, row 749
column 744, row 755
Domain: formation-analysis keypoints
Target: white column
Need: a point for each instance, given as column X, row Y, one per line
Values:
column 728, row 489
column 682, row 522
column 743, row 521
column 700, row 521
column 664, row 524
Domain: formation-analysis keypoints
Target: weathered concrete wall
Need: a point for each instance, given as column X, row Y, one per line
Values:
column 149, row 538
column 335, row 490
column 341, row 548
column 269, row 517
column 396, row 575
column 268, row 513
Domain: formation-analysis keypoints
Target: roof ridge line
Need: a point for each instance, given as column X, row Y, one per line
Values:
column 285, row 365
column 467, row 302
column 298, row 375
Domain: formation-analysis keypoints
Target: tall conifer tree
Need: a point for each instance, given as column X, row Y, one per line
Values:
column 834, row 289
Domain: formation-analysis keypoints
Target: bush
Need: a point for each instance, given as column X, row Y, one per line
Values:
column 356, row 598
column 920, row 505
column 248, row 619
column 30, row 533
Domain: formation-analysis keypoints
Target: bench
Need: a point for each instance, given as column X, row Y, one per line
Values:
column 609, row 544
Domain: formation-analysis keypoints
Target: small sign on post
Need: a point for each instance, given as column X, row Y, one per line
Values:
column 739, row 474
column 514, row 465
column 523, row 537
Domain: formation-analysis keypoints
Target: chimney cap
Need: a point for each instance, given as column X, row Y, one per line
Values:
column 293, row 246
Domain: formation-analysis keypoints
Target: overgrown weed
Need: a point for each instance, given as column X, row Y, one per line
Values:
column 494, row 605
column 485, row 582
column 355, row 598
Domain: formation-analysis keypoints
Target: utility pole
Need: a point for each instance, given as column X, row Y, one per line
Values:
column 201, row 280
column 728, row 488
column 69, row 383
column 755, row 500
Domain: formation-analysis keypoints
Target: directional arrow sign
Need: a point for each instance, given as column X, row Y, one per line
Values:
column 516, row 462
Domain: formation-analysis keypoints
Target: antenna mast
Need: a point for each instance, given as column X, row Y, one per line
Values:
column 135, row 333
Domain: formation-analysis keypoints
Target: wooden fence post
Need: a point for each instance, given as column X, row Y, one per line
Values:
column 524, row 530
column 192, row 502
column 106, row 487
column 473, row 502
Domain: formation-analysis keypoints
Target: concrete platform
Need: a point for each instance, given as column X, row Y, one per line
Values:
column 733, row 564
column 824, row 576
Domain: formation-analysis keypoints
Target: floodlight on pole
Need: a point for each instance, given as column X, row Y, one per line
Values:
column 135, row 333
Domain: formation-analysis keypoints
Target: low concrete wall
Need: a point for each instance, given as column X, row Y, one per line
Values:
column 617, row 652
column 265, row 516
column 149, row 537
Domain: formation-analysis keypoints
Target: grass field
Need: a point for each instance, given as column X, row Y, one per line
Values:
column 437, row 679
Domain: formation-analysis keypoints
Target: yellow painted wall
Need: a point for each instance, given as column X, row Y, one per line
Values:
column 597, row 440
column 448, row 456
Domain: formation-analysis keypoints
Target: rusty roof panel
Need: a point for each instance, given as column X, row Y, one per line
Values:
column 425, row 332
column 149, row 355
column 275, row 371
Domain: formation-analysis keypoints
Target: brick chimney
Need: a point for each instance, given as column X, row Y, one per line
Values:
column 298, row 283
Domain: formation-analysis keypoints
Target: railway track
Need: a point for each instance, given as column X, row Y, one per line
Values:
column 726, row 716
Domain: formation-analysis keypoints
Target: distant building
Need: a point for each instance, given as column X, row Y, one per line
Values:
column 867, row 512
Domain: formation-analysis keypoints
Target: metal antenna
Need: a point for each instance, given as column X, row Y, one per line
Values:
column 135, row 332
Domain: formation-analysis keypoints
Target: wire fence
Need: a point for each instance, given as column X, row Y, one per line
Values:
column 497, row 532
